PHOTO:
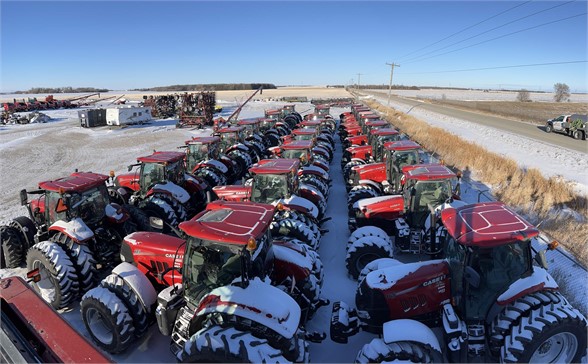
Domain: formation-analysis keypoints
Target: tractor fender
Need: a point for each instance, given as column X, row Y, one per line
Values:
column 115, row 213
column 409, row 330
column 298, row 203
column 258, row 301
column 314, row 170
column 239, row 146
column 359, row 160
column 172, row 189
column 194, row 184
column 76, row 229
column 138, row 282
column 212, row 163
column 291, row 259
column 368, row 182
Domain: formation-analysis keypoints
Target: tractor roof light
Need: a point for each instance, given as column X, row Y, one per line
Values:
column 553, row 245
column 280, row 206
column 111, row 174
column 251, row 244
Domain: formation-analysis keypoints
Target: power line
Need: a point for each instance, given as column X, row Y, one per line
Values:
column 416, row 59
column 495, row 68
column 501, row 36
column 467, row 28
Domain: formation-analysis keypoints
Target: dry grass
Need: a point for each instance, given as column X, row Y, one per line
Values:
column 527, row 190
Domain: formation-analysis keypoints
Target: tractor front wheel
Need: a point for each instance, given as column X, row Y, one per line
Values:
column 364, row 251
column 377, row 351
column 13, row 248
column 216, row 344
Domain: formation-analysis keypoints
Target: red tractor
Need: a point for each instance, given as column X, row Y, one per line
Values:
column 161, row 187
column 230, row 292
column 314, row 160
column 234, row 145
column 72, row 235
column 203, row 159
column 370, row 149
column 385, row 177
column 276, row 181
column 411, row 218
column 491, row 298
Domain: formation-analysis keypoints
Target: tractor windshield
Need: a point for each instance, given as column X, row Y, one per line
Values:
column 88, row 205
column 498, row 267
column 209, row 265
column 405, row 158
column 431, row 193
column 228, row 139
column 295, row 154
column 175, row 172
column 268, row 188
column 151, row 174
column 196, row 154
column 304, row 137
column 378, row 144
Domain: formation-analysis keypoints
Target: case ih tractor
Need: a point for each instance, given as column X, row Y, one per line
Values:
column 233, row 144
column 72, row 235
column 228, row 293
column 161, row 187
column 411, row 218
column 370, row 149
column 491, row 297
column 203, row 159
column 276, row 181
column 385, row 177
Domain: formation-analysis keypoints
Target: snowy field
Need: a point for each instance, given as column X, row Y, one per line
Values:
column 37, row 152
column 478, row 95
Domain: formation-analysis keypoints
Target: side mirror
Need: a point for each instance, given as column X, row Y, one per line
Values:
column 472, row 277
column 23, row 197
column 541, row 259
column 129, row 168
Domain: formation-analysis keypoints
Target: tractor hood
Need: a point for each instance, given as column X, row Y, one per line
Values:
column 411, row 289
column 128, row 180
column 383, row 207
column 373, row 171
column 233, row 192
column 300, row 204
column 259, row 301
column 360, row 150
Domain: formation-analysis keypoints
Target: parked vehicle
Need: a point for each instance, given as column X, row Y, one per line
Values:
column 573, row 125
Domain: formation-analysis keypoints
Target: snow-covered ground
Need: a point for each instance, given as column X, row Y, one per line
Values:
column 33, row 153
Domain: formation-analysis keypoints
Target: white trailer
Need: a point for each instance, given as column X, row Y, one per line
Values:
column 126, row 115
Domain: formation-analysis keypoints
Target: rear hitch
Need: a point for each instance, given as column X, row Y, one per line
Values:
column 315, row 336
column 344, row 322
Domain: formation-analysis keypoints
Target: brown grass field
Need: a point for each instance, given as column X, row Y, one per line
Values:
column 526, row 190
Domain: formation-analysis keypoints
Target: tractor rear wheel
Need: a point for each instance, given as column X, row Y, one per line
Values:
column 295, row 229
column 161, row 209
column 359, row 193
column 139, row 217
column 13, row 248
column 82, row 259
column 377, row 351
column 555, row 333
column 107, row 319
column 364, row 251
column 216, row 344
column 59, row 284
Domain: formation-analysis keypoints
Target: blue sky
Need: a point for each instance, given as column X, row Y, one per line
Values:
column 125, row 45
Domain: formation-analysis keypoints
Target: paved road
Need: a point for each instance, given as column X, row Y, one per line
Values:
column 512, row 126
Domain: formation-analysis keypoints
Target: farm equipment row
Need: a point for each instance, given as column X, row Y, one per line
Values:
column 193, row 109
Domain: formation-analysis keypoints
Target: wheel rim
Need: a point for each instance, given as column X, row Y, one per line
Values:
column 99, row 327
column 45, row 286
column 560, row 348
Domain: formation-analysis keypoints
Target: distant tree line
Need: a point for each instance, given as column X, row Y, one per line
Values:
column 61, row 90
column 211, row 87
column 377, row 87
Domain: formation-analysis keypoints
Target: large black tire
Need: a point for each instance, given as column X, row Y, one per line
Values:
column 303, row 218
column 125, row 293
column 161, row 209
column 13, row 248
column 317, row 183
column 554, row 333
column 212, row 177
column 272, row 139
column 294, row 229
column 59, row 284
column 513, row 313
column 377, row 351
column 366, row 250
column 26, row 229
column 359, row 193
column 176, row 205
column 107, row 320
column 347, row 169
column 216, row 344
column 139, row 217
column 243, row 160
column 82, row 259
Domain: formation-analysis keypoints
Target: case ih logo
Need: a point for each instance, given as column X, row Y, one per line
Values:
column 434, row 280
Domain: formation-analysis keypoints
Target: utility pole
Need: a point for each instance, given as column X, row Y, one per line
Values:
column 358, row 80
column 391, row 73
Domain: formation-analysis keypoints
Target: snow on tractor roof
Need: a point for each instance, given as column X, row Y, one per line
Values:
column 376, row 122
column 424, row 172
column 486, row 225
column 203, row 140
column 384, row 131
column 76, row 182
column 275, row 166
column 230, row 222
column 248, row 122
column 162, row 157
column 298, row 144
column 306, row 131
column 402, row 145
column 231, row 129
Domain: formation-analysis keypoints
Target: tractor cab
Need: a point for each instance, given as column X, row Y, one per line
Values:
column 378, row 137
column 252, row 127
column 81, row 195
column 287, row 110
column 488, row 248
column 226, row 241
column 397, row 155
column 158, row 168
column 273, row 114
column 301, row 134
column 230, row 136
column 301, row 150
column 427, row 186
column 322, row 110
column 274, row 180
column 201, row 149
